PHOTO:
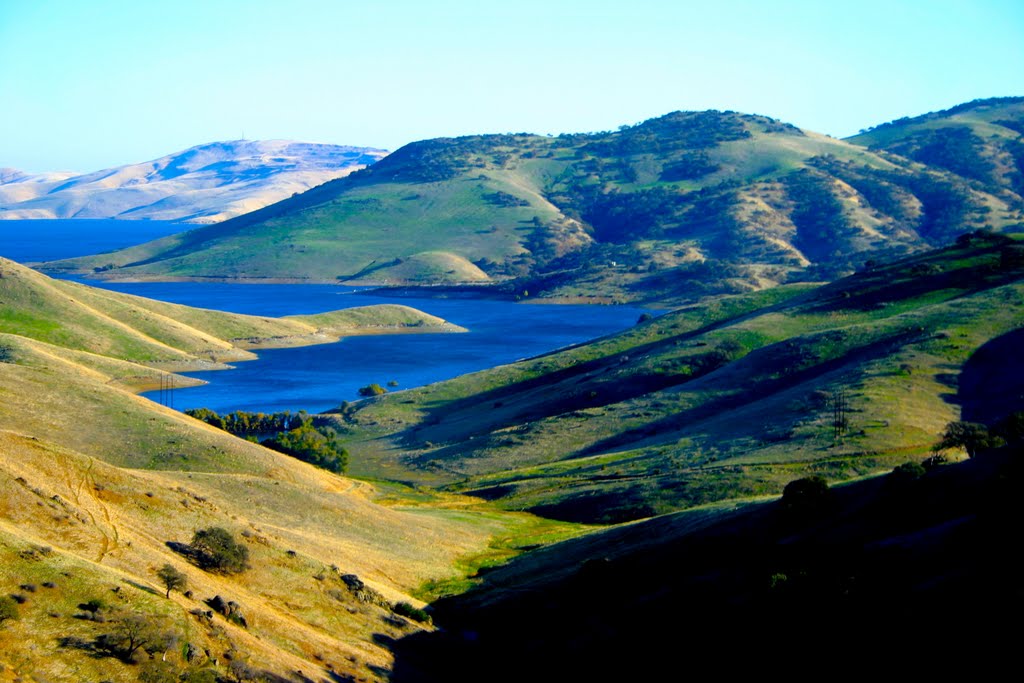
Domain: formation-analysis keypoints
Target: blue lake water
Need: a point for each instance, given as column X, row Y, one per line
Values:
column 317, row 378
column 34, row 241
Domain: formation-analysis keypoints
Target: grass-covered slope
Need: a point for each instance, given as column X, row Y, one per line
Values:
column 915, row 571
column 728, row 399
column 76, row 316
column 684, row 204
column 981, row 141
column 97, row 485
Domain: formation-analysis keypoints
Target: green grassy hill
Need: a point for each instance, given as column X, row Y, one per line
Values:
column 980, row 141
column 75, row 316
column 911, row 571
column 728, row 399
column 680, row 206
column 99, row 488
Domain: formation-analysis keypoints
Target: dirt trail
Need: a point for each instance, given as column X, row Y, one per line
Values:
column 85, row 494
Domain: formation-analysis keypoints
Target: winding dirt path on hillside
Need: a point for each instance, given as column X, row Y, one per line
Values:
column 85, row 494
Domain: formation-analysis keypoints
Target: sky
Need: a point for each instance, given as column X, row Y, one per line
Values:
column 86, row 85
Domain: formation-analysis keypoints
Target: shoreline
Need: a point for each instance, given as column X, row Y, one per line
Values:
column 468, row 291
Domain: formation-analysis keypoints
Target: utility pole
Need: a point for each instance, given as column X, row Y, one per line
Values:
column 840, row 422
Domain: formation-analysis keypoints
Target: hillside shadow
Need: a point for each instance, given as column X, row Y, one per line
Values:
column 899, row 282
column 991, row 383
column 898, row 559
column 759, row 388
column 590, row 384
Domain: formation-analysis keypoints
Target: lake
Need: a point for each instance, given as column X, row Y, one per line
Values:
column 316, row 378
column 49, row 240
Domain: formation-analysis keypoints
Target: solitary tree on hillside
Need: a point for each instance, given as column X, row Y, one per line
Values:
column 808, row 494
column 171, row 578
column 217, row 549
column 131, row 633
column 971, row 436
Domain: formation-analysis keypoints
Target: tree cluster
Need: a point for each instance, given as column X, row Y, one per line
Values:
column 293, row 434
column 675, row 131
column 970, row 436
column 311, row 445
column 955, row 149
column 820, row 218
column 504, row 199
column 242, row 423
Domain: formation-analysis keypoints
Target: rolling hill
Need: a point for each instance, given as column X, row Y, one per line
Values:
column 203, row 184
column 979, row 141
column 100, row 488
column 671, row 209
column 912, row 570
column 728, row 399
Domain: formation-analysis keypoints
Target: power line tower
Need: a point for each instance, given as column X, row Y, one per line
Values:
column 840, row 406
column 167, row 391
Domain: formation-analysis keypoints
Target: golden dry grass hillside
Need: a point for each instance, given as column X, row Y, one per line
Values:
column 99, row 486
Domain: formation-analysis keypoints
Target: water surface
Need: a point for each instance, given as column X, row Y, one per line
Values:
column 28, row 241
column 317, row 378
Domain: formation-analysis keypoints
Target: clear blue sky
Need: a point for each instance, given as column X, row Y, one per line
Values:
column 91, row 84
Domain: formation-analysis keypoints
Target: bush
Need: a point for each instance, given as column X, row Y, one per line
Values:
column 809, row 493
column 216, row 549
column 908, row 471
column 372, row 390
column 408, row 610
column 93, row 608
column 8, row 609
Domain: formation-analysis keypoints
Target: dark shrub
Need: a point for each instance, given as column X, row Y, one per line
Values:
column 8, row 609
column 908, row 471
column 372, row 390
column 216, row 549
column 408, row 610
column 809, row 493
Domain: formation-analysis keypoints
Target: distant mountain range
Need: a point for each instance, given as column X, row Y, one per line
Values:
column 203, row 184
column 676, row 207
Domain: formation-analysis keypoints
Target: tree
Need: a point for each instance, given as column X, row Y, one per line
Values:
column 806, row 494
column 131, row 633
column 908, row 471
column 216, row 549
column 171, row 578
column 372, row 390
column 971, row 436
column 8, row 609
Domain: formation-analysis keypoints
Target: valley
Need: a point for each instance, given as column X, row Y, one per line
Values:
column 806, row 429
